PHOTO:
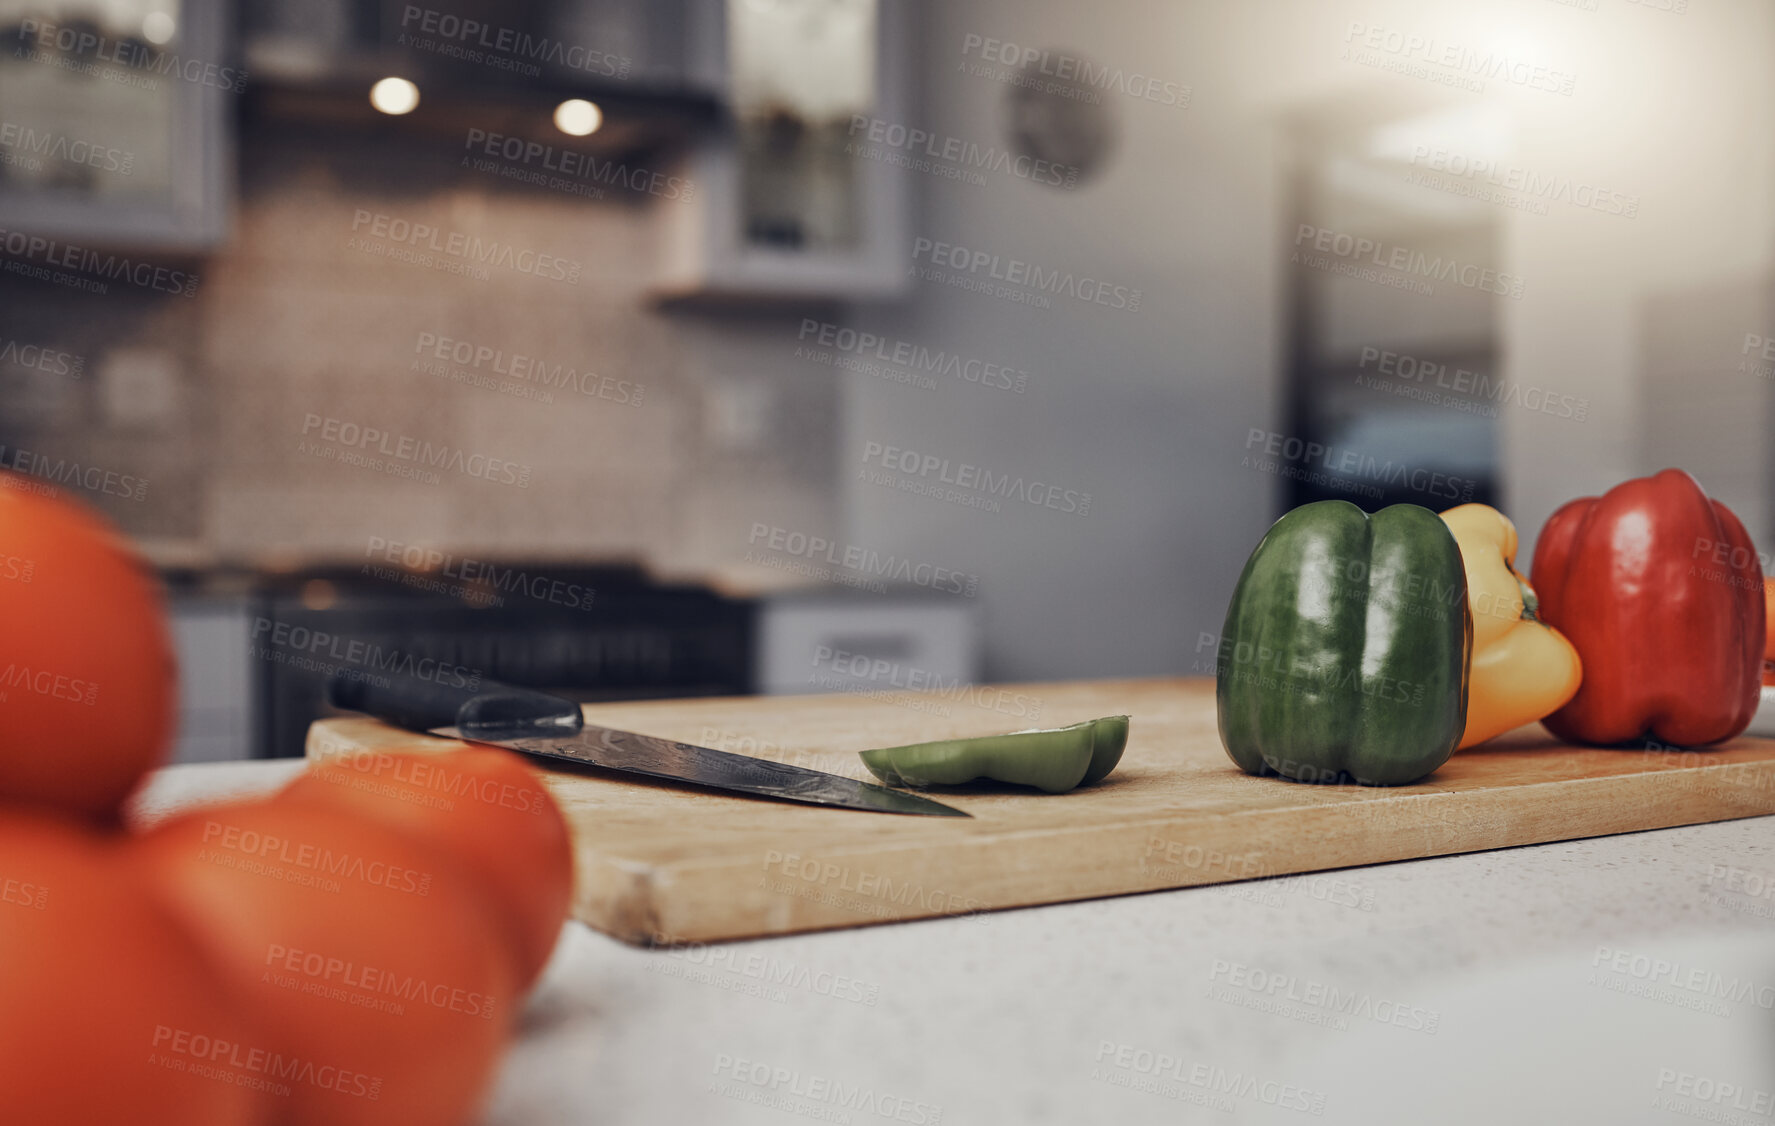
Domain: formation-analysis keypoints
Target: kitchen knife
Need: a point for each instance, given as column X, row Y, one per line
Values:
column 538, row 723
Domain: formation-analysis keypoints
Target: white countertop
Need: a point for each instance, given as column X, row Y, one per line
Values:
column 1616, row 980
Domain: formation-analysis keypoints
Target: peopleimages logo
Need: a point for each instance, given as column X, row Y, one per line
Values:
column 112, row 267
column 210, row 1057
column 1553, row 189
column 1295, row 998
column 860, row 670
column 414, row 780
column 1762, row 347
column 577, row 166
column 827, row 875
column 957, row 152
column 866, row 561
column 268, row 848
column 467, row 249
column 20, row 893
column 1135, row 1062
column 1454, row 63
column 965, row 475
column 319, row 647
column 1160, row 853
column 61, row 471
column 452, row 35
column 48, row 684
column 1470, row 391
column 1360, row 472
column 419, row 565
column 24, row 140
column 17, row 569
column 1696, row 981
column 817, row 1096
column 905, row 354
column 986, row 266
column 1359, row 250
column 515, row 370
column 50, row 361
column 334, row 978
column 85, row 44
column 413, row 451
column 771, row 971
column 1074, row 69
column 1731, row 1102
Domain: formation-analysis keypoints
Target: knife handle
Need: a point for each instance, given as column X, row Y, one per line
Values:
column 421, row 705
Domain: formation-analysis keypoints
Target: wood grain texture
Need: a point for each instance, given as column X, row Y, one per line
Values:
column 659, row 863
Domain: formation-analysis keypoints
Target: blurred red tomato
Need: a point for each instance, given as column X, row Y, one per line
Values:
column 87, row 681
column 370, row 959
column 482, row 806
column 108, row 1013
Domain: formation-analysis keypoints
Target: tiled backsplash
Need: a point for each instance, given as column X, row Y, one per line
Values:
column 626, row 431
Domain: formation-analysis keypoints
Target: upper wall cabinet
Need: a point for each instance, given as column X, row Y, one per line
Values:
column 114, row 121
column 791, row 201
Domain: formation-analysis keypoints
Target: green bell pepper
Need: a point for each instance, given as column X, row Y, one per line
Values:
column 1056, row 759
column 1345, row 650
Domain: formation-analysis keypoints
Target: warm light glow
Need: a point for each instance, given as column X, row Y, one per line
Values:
column 578, row 118
column 394, row 95
column 158, row 28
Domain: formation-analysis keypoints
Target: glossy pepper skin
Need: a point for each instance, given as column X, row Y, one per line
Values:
column 1522, row 668
column 1055, row 759
column 1660, row 590
column 1344, row 654
column 1769, row 630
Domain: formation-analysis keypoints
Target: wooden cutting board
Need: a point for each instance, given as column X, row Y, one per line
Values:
column 659, row 863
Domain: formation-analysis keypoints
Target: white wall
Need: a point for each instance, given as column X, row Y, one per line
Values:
column 1149, row 411
column 1679, row 110
column 1139, row 408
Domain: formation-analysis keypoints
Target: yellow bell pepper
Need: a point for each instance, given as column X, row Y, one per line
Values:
column 1522, row 668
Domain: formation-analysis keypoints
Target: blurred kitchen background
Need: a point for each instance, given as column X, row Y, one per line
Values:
column 669, row 347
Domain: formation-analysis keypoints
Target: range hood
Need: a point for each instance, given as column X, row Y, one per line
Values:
column 638, row 60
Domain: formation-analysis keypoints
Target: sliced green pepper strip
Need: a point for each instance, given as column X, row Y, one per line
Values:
column 1055, row 759
column 1106, row 748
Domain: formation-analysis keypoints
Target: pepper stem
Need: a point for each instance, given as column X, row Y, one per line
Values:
column 1531, row 605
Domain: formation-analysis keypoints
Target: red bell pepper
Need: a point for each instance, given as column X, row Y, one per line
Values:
column 1660, row 589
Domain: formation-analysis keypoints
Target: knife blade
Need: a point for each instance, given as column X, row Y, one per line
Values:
column 537, row 723
column 704, row 766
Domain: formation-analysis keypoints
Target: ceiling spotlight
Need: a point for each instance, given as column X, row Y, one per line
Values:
column 394, row 96
column 158, row 28
column 577, row 117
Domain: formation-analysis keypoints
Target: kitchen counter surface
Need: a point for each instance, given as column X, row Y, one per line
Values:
column 1623, row 979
